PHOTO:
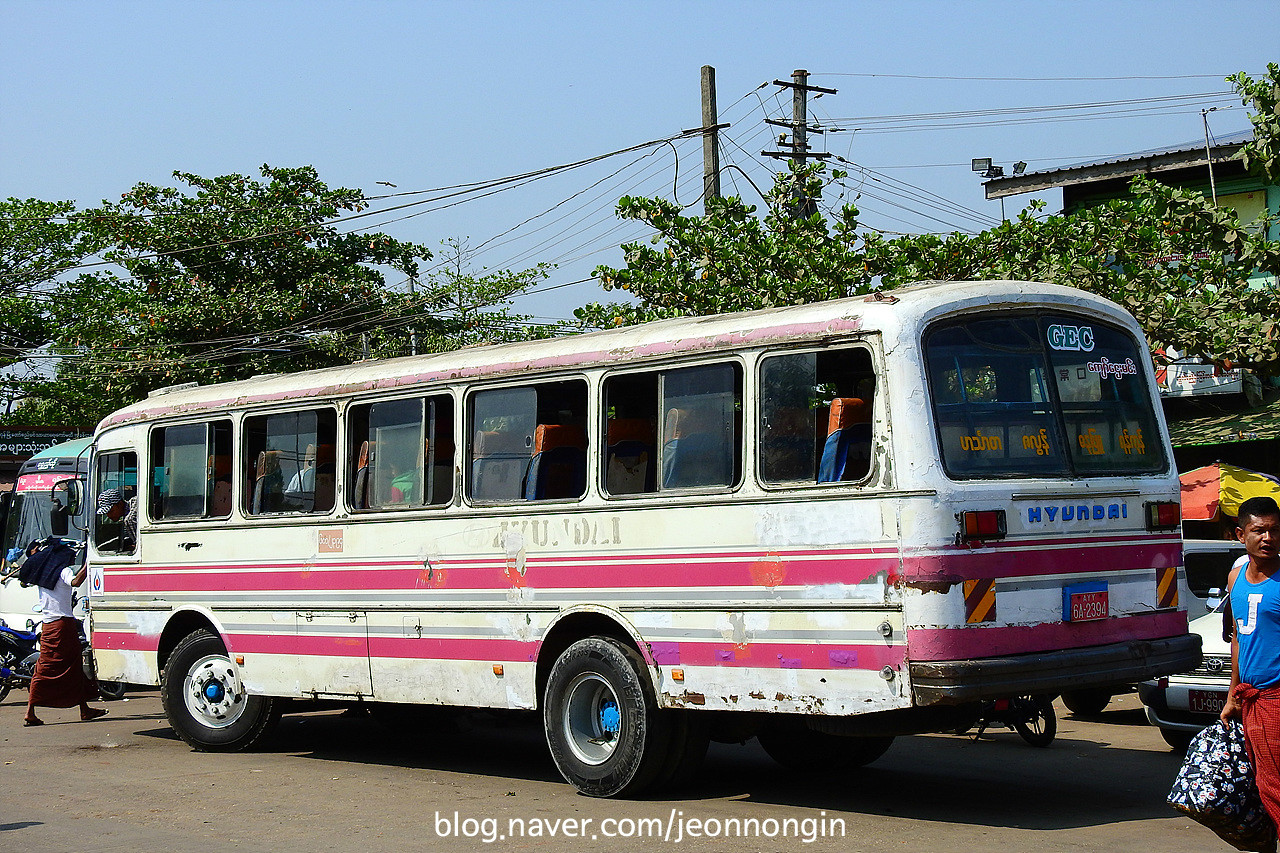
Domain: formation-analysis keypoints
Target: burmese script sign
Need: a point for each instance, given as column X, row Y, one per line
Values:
column 19, row 443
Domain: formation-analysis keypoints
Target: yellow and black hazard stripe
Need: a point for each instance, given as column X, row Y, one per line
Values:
column 980, row 600
column 1167, row 587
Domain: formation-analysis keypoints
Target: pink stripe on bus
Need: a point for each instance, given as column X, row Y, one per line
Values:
column 726, row 569
column 974, row 642
column 495, row 650
column 709, row 570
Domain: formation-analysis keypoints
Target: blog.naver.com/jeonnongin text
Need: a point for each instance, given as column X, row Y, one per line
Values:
column 673, row 828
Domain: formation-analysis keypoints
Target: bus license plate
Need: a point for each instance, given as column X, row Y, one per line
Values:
column 1206, row 701
column 1094, row 604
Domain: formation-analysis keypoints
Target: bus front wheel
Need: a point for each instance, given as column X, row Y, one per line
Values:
column 602, row 721
column 205, row 701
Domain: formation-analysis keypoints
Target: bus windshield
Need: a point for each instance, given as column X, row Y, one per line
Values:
column 28, row 517
column 1041, row 395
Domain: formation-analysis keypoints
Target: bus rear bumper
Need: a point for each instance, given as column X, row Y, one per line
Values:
column 958, row 681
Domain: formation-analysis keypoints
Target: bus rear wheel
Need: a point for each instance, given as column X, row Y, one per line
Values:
column 205, row 701
column 797, row 747
column 602, row 722
column 1087, row 703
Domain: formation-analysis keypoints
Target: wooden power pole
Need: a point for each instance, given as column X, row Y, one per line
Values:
column 800, row 128
column 711, row 137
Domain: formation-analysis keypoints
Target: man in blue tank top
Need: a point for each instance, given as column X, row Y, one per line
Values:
column 1255, row 647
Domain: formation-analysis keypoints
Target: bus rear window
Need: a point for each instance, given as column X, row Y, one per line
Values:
column 1041, row 395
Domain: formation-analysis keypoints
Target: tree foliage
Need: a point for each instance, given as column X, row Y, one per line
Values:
column 37, row 244
column 1262, row 156
column 237, row 277
column 1178, row 263
column 475, row 306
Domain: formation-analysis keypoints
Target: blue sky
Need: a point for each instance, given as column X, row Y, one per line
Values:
column 97, row 96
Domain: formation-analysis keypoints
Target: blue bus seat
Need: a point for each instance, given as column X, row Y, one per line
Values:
column 848, row 429
column 558, row 468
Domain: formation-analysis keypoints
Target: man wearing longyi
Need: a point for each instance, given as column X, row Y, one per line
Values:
column 59, row 680
column 1255, row 647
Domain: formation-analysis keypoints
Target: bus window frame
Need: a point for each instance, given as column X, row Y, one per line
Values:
column 465, row 448
column 152, row 492
column 351, row 449
column 1070, row 470
column 141, row 494
column 879, row 403
column 243, row 498
column 744, row 460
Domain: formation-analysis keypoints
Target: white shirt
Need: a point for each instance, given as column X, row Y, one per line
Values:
column 56, row 602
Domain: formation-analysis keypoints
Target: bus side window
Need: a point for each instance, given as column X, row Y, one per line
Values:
column 702, row 426
column 289, row 459
column 697, row 411
column 528, row 443
column 191, row 471
column 115, row 521
column 816, row 417
column 405, row 453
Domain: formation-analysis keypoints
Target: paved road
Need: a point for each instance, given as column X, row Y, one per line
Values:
column 329, row 782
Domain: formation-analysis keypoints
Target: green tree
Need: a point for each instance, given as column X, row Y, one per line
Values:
column 729, row 259
column 237, row 277
column 475, row 306
column 37, row 244
column 1178, row 263
column 1262, row 156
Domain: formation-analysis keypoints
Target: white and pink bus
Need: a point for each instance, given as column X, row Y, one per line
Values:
column 822, row 525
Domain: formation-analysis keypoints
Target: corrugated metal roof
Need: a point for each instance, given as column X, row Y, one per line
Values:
column 1220, row 141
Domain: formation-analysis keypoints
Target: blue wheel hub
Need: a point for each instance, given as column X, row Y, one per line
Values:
column 214, row 691
column 610, row 719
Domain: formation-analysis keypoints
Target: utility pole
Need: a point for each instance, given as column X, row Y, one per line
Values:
column 710, row 138
column 413, row 331
column 1208, row 154
column 799, row 138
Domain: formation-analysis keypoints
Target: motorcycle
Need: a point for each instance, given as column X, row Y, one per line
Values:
column 19, row 651
column 1032, row 717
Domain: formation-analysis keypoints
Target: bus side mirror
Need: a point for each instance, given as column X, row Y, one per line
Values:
column 68, row 498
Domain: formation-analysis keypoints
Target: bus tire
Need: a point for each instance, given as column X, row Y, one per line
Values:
column 799, row 748
column 602, row 722
column 690, row 737
column 206, row 702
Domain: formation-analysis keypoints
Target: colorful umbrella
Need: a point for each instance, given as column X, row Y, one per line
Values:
column 1222, row 488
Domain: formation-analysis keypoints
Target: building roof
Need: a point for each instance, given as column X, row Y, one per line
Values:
column 1164, row 158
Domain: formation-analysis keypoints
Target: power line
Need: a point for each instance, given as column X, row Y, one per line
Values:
column 1023, row 79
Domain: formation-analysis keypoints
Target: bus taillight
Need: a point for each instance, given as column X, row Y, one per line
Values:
column 1163, row 515
column 983, row 524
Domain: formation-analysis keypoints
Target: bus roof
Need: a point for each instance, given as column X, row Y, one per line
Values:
column 73, row 448
column 70, row 455
column 889, row 313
